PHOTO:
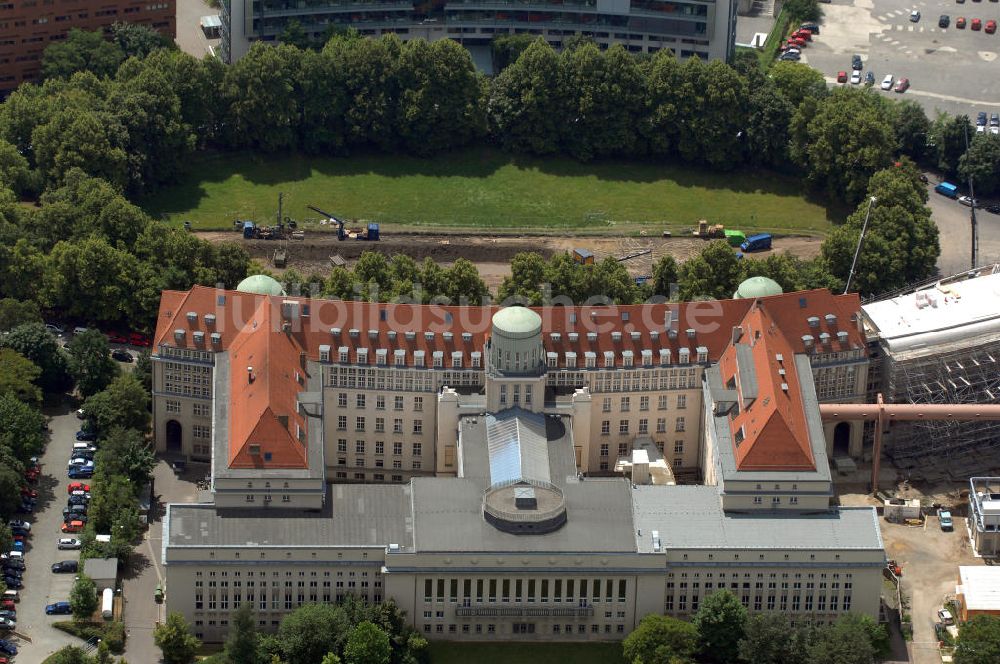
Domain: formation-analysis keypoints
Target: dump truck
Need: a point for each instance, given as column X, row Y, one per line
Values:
column 735, row 238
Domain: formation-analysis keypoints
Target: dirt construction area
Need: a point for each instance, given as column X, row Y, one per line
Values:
column 491, row 253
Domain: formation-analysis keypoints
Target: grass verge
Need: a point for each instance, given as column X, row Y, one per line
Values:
column 774, row 39
column 487, row 190
column 112, row 633
column 443, row 652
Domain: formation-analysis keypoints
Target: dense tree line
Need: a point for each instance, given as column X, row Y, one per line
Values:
column 133, row 120
column 722, row 632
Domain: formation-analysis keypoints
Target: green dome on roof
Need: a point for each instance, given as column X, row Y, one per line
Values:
column 757, row 287
column 517, row 322
column 261, row 284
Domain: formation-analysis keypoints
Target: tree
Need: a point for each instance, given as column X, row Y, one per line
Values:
column 367, row 644
column 69, row 655
column 330, row 658
column 125, row 453
column 463, row 283
column 16, row 312
column 842, row 139
column 912, row 129
column 175, row 641
column 138, row 41
column 35, row 344
column 720, row 621
column 507, row 49
column 982, row 163
column 661, row 639
column 712, row 274
column 90, row 362
column 90, row 279
column 901, row 246
column 712, row 110
column 241, row 646
column 143, row 371
column 803, row 10
column 796, row 81
column 10, row 487
column 18, row 377
column 767, row 126
column 311, row 631
column 852, row 639
column 123, row 404
column 665, row 276
column 527, row 102
column 978, row 641
column 6, row 537
column 83, row 597
column 14, row 169
column 950, row 134
column 81, row 51
column 527, row 274
column 76, row 137
column 769, row 638
column 263, row 104
column 783, row 268
column 21, row 427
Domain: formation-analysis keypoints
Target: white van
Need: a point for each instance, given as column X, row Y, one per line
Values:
column 80, row 330
column 12, row 595
column 84, row 446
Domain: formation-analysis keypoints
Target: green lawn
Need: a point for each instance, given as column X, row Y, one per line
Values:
column 443, row 652
column 486, row 189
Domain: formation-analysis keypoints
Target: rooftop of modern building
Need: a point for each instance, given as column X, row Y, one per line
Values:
column 980, row 587
column 355, row 515
column 691, row 517
column 961, row 309
column 415, row 332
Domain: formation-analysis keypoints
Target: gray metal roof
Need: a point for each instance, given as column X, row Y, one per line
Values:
column 355, row 515
column 101, row 568
column 747, row 370
column 518, row 447
column 448, row 516
column 691, row 517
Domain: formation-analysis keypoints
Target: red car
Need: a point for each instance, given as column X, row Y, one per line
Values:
column 137, row 339
column 796, row 41
column 903, row 85
column 977, row 24
column 803, row 34
column 116, row 338
column 19, row 538
column 72, row 527
column 8, row 604
column 28, row 492
column 960, row 22
column 77, row 486
column 31, row 474
column 841, row 77
column 991, row 26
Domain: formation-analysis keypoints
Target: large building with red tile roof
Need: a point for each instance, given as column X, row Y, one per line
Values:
column 461, row 459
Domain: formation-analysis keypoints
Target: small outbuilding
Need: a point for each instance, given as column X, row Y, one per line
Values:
column 583, row 256
column 103, row 571
column 978, row 591
column 211, row 26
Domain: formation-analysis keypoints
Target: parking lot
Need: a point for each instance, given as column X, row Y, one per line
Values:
column 950, row 69
column 41, row 586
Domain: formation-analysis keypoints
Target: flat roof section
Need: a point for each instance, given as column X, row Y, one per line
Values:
column 691, row 517
column 942, row 313
column 356, row 515
column 980, row 586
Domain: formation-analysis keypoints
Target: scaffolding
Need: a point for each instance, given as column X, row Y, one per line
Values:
column 962, row 372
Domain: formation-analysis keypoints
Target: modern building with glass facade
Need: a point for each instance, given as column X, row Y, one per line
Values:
column 705, row 28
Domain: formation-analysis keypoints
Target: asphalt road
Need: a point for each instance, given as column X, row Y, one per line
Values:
column 950, row 70
column 41, row 586
column 954, row 227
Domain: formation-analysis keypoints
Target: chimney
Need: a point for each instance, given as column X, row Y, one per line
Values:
column 807, row 341
column 831, row 320
column 813, row 321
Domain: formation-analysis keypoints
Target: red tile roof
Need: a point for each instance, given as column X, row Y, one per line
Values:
column 773, row 427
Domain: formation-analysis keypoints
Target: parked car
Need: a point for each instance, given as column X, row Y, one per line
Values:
column 903, row 85
column 80, row 462
column 887, row 82
column 77, row 473
column 976, row 24
column 855, row 77
column 75, row 511
column 7, row 648
column 790, row 56
column 19, row 523
column 55, row 329
column 116, row 338
column 944, row 617
column 994, row 209
column 960, row 23
column 17, row 546
column 13, row 563
column 991, row 26
column 841, row 77
column 70, row 543
column 80, row 414
column 77, row 486
column 805, row 35
column 8, row 605
column 28, row 492
column 869, row 78
column 86, row 435
column 914, row 16
column 138, row 339
column 811, row 27
column 75, row 516
column 74, row 526
column 58, row 609
column 14, row 583
column 65, row 566
column 4, row 613
column 944, row 518
column 120, row 355
column 78, row 500
column 968, row 201
column 856, row 62
column 8, row 623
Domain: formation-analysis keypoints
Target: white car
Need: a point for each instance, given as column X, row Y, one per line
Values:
column 887, row 82
column 856, row 77
column 995, row 130
column 11, row 555
column 69, row 543
column 54, row 329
